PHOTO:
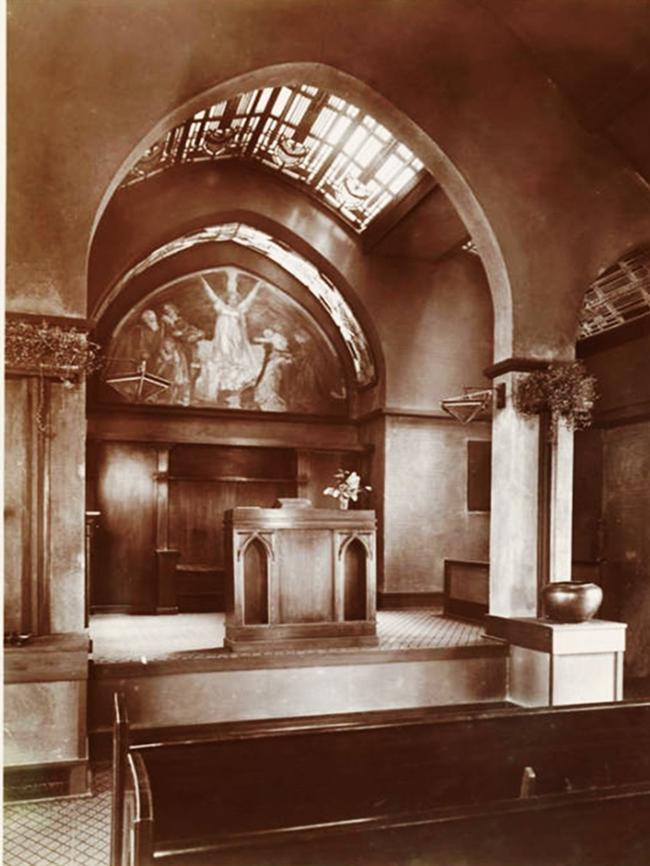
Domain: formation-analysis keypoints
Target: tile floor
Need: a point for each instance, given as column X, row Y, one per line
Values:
column 67, row 832
column 76, row 832
column 119, row 637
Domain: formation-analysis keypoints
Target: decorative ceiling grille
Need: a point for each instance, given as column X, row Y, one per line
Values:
column 319, row 285
column 341, row 154
column 620, row 295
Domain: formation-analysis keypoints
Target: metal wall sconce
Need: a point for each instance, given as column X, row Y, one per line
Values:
column 473, row 402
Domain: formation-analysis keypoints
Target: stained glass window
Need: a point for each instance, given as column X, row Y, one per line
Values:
column 618, row 296
column 341, row 154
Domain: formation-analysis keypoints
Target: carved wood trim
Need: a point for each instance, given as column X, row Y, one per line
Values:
column 364, row 537
column 244, row 540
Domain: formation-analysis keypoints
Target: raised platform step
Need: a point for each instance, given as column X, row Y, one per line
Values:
column 220, row 687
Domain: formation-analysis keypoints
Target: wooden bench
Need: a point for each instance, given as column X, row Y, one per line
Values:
column 466, row 589
column 488, row 788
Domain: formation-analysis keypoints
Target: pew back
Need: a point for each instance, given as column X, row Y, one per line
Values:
column 238, row 790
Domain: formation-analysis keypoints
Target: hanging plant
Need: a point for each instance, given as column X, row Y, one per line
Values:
column 51, row 350
column 565, row 390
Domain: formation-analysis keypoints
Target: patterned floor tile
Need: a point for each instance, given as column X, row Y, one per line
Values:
column 119, row 637
column 74, row 832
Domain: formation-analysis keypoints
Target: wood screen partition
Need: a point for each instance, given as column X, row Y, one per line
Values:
column 125, row 573
column 299, row 577
column 205, row 481
column 158, row 546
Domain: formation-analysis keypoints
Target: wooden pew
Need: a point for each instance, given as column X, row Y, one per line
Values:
column 396, row 789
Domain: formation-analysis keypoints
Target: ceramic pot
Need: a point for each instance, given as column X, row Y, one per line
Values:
column 568, row 601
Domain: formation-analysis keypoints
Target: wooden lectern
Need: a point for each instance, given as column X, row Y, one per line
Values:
column 300, row 577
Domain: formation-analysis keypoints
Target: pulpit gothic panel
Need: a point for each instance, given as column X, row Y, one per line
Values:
column 298, row 577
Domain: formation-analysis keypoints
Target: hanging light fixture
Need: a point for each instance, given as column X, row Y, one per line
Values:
column 138, row 385
column 473, row 402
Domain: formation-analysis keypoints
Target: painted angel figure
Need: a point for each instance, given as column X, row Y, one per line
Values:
column 229, row 360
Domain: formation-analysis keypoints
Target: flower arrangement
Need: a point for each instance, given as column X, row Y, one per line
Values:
column 346, row 488
column 565, row 390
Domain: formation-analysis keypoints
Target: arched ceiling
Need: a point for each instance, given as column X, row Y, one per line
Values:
column 334, row 150
column 496, row 86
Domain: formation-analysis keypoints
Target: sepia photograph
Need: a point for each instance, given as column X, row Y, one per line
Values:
column 327, row 433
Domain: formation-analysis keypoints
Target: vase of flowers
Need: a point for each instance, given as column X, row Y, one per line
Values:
column 564, row 391
column 346, row 487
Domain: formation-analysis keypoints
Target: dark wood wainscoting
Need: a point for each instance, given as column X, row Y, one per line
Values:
column 158, row 545
column 204, row 482
column 124, row 561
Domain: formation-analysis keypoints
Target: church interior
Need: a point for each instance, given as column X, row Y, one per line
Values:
column 327, row 432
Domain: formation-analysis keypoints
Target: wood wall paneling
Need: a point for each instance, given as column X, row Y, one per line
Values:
column 126, row 540
column 155, row 498
column 200, row 461
column 306, row 576
column 204, row 482
column 316, row 472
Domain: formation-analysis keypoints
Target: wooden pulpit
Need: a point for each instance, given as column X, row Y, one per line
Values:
column 300, row 577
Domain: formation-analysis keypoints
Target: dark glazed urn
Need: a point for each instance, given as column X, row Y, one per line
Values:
column 568, row 601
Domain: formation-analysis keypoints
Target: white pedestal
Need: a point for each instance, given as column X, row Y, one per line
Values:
column 553, row 664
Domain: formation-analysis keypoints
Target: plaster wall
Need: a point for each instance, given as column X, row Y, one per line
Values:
column 528, row 181
column 434, row 322
column 142, row 217
column 44, row 722
column 426, row 518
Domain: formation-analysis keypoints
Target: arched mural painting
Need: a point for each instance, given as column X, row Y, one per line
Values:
column 223, row 338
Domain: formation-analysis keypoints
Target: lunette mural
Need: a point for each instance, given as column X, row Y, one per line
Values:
column 225, row 339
